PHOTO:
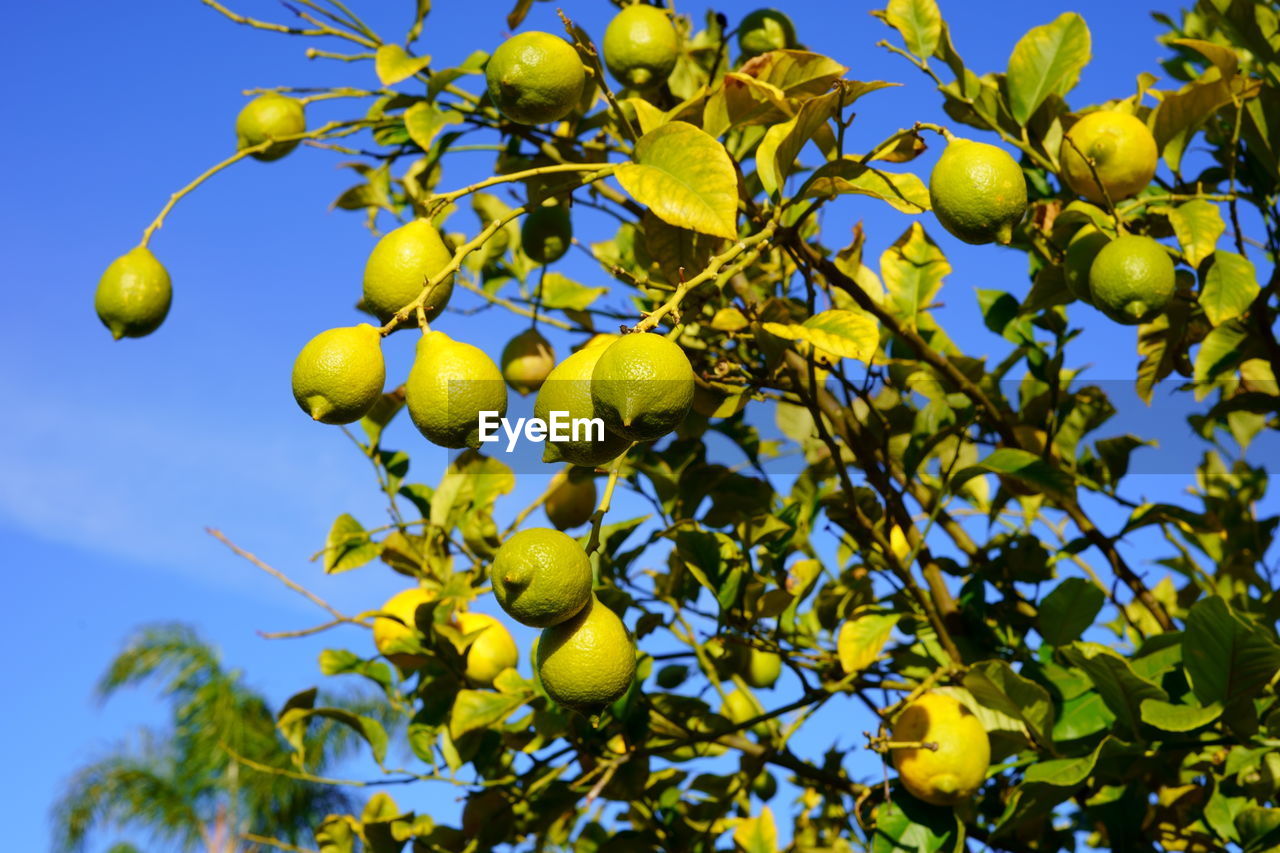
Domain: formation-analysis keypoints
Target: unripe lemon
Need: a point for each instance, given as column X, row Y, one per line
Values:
column 541, row 577
column 740, row 706
column 270, row 116
column 491, row 652
column 978, row 192
column 1081, row 252
column 134, row 294
column 448, row 387
column 572, row 503
column 1132, row 280
column 527, row 359
column 338, row 376
column 535, row 77
column 588, row 661
column 764, row 30
column 642, row 386
column 389, row 635
column 546, row 233
column 568, row 389
column 762, row 669
column 958, row 767
column 400, row 265
column 641, row 46
column 1122, row 148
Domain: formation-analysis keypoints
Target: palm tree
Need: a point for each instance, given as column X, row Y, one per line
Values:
column 182, row 786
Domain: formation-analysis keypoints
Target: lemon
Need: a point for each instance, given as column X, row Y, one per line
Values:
column 1123, row 153
column 764, row 30
column 568, row 389
column 546, row 234
column 1081, row 251
column 978, row 192
column 541, row 577
column 740, row 706
column 400, row 265
column 642, row 386
column 958, row 767
column 491, row 652
column 390, row 635
column 572, row 503
column 1132, row 280
column 448, row 387
column 266, row 117
column 762, row 669
column 535, row 77
column 588, row 661
column 527, row 359
column 641, row 46
column 601, row 339
column 338, row 376
column 134, row 294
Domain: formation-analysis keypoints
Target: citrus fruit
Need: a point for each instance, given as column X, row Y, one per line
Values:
column 267, row 117
column 1081, row 251
column 134, row 294
column 541, row 577
column 491, row 652
column 978, row 192
column 641, row 46
column 642, row 386
column 601, row 339
column 400, row 265
column 572, row 502
column 338, row 375
column 1123, row 153
column 588, row 661
column 526, row 360
column 762, row 669
column 1132, row 280
column 957, row 768
column 535, row 77
column 390, row 635
column 546, row 233
column 764, row 30
column 568, row 389
column 448, row 387
column 740, row 706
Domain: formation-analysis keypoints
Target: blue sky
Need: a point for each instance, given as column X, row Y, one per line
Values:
column 114, row 456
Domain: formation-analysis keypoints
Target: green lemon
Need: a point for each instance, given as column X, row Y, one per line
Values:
column 764, row 30
column 568, row 389
column 1081, row 251
column 541, row 577
column 491, row 652
column 641, row 46
column 546, row 234
column 134, row 294
column 588, row 661
column 642, row 386
column 399, row 267
column 572, row 503
column 978, row 192
column 762, row 669
column 527, row 359
column 338, row 376
column 1122, row 149
column 266, row 117
column 448, row 387
column 1132, row 280
column 535, row 77
column 740, row 706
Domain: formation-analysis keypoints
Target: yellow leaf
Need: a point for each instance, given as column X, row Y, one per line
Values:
column 757, row 834
column 686, row 178
column 861, row 640
column 842, row 333
column 393, row 64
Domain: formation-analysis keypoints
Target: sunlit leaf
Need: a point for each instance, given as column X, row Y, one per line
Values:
column 686, row 178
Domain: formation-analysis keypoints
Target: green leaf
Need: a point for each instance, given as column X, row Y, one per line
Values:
column 913, row 269
column 559, row 291
column 1259, row 829
column 1198, row 225
column 847, row 334
column 477, row 709
column 348, row 546
column 1046, row 61
column 903, row 191
column 757, row 834
column 862, row 639
column 293, row 723
column 777, row 152
column 994, row 684
column 1174, row 717
column 1230, row 286
column 920, row 23
column 394, row 64
column 686, row 178
column 424, row 121
column 1180, row 114
column 906, row 824
column 1065, row 772
column 1220, row 352
column 1066, row 612
column 1025, row 467
column 1121, row 688
column 1227, row 658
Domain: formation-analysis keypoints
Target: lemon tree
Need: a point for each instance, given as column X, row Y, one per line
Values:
column 860, row 560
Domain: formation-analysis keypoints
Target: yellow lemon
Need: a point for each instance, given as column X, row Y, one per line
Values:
column 339, row 374
column 568, row 389
column 390, row 635
column 266, row 117
column 642, row 386
column 951, row 773
column 588, row 661
column 527, row 359
column 535, row 77
column 134, row 294
column 541, row 577
column 448, row 387
column 1123, row 153
column 978, row 192
column 491, row 652
column 400, row 265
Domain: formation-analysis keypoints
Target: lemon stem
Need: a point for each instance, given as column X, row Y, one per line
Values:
column 606, row 500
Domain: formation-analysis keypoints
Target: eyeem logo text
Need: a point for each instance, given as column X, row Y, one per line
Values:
column 559, row 427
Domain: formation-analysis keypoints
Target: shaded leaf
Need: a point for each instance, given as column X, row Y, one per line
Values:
column 348, row 546
column 903, row 191
column 994, row 683
column 1066, row 612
